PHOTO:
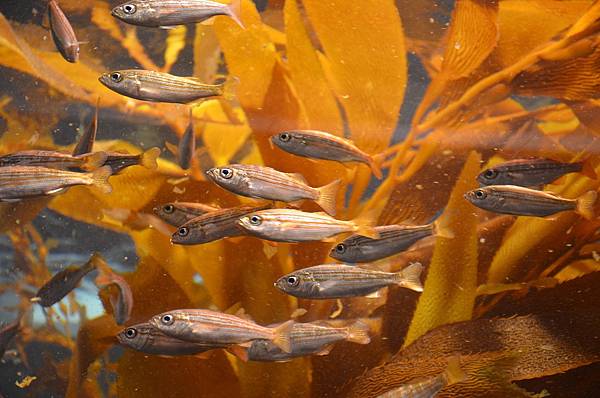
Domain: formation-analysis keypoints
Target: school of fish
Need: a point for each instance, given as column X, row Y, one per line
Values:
column 514, row 187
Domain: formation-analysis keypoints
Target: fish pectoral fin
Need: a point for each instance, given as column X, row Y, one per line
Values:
column 172, row 148
column 204, row 355
column 375, row 294
column 239, row 352
column 325, row 351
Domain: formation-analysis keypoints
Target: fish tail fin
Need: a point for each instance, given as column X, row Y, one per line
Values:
column 375, row 162
column 93, row 161
column 235, row 12
column 358, row 333
column 410, row 277
column 327, row 197
column 238, row 351
column 228, row 89
column 585, row 204
column 100, row 178
column 588, row 170
column 282, row 336
column 365, row 224
column 454, row 373
column 149, row 158
column 439, row 228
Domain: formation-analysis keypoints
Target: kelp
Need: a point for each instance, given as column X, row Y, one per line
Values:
column 501, row 80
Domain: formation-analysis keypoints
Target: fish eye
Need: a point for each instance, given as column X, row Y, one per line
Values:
column 130, row 333
column 255, row 220
column 169, row 208
column 167, row 319
column 285, row 137
column 292, row 280
column 479, row 194
column 226, row 173
column 340, row 248
column 183, row 231
column 490, row 174
column 129, row 8
column 116, row 77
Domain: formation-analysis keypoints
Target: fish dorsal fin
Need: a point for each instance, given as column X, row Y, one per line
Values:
column 172, row 148
column 298, row 177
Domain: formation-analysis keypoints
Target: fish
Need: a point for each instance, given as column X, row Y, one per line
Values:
column 431, row 386
column 7, row 333
column 532, row 172
column 146, row 338
column 153, row 86
column 62, row 284
column 330, row 281
column 178, row 213
column 521, row 201
column 267, row 183
column 212, row 226
column 54, row 160
column 87, row 139
column 393, row 239
column 321, row 145
column 122, row 302
column 168, row 13
column 23, row 182
column 187, row 146
column 313, row 338
column 211, row 327
column 62, row 33
column 120, row 161
column 290, row 225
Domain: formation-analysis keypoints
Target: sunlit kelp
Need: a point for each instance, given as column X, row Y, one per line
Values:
column 340, row 67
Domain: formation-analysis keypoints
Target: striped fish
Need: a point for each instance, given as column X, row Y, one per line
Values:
column 23, row 182
column 289, row 225
column 54, row 160
column 321, row 145
column 62, row 33
column 210, row 327
column 520, row 201
column 267, row 183
column 167, row 13
column 148, row 85
column 331, row 281
column 218, row 224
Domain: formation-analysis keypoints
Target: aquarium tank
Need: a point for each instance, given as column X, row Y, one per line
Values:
column 299, row 198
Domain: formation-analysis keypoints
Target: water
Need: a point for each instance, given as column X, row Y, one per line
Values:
column 442, row 90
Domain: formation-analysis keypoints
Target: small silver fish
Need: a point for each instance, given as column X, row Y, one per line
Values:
column 289, row 225
column 531, row 172
column 146, row 338
column 87, row 139
column 62, row 33
column 321, row 145
column 431, row 386
column 120, row 161
column 54, row 160
column 210, row 327
column 122, row 303
column 268, row 183
column 187, row 146
column 218, row 224
column 167, row 13
column 153, row 86
column 331, row 281
column 178, row 213
column 520, row 201
column 393, row 239
column 62, row 284
column 23, row 182
column 315, row 338
column 7, row 333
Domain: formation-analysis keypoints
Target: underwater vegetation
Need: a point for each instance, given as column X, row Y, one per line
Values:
column 448, row 245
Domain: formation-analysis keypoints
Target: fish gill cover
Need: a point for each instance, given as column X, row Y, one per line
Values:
column 437, row 92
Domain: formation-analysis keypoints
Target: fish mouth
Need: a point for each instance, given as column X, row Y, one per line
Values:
column 104, row 79
column 212, row 172
column 244, row 222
